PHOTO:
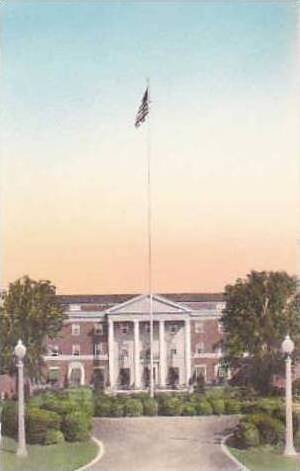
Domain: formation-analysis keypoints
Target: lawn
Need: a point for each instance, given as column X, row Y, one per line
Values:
column 266, row 458
column 61, row 457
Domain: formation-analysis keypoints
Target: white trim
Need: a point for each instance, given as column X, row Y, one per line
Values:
column 97, row 458
column 78, row 357
column 76, row 365
column 180, row 308
column 204, row 367
column 208, row 355
column 88, row 317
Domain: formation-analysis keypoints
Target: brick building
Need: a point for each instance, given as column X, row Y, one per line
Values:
column 105, row 340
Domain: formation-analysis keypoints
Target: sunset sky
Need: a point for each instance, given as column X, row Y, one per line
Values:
column 223, row 127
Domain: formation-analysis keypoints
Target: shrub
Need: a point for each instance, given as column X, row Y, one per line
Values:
column 9, row 418
column 38, row 422
column 60, row 406
column 269, row 406
column 296, row 387
column 133, row 408
column 218, row 406
column 76, row 427
column 117, row 409
column 232, row 406
column 246, row 435
column 53, row 436
column 204, row 408
column 171, row 406
column 103, row 406
column 215, row 393
column 83, row 397
column 188, row 409
column 271, row 430
column 150, row 406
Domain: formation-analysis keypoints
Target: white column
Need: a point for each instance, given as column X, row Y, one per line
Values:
column 162, row 354
column 289, row 442
column 137, row 374
column 111, row 365
column 21, row 451
column 187, row 345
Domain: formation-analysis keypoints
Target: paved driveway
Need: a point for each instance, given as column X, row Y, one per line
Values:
column 163, row 444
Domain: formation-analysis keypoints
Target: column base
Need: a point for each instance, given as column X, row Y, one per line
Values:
column 290, row 451
column 22, row 452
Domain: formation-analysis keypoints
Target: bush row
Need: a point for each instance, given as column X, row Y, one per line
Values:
column 142, row 404
column 51, row 418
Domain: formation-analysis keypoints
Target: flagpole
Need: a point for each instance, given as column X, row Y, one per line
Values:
column 149, row 213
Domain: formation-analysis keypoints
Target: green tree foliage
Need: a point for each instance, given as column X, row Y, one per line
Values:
column 30, row 312
column 260, row 311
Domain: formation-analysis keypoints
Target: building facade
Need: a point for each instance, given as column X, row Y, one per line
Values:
column 105, row 341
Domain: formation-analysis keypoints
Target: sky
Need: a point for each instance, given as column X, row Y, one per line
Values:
column 222, row 130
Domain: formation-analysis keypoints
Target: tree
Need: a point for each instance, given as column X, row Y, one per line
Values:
column 29, row 312
column 260, row 310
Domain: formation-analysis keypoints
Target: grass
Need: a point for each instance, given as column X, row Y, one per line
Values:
column 61, row 457
column 265, row 458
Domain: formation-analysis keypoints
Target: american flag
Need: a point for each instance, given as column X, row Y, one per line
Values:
column 143, row 109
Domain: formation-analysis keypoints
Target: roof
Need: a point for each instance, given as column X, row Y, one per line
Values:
column 108, row 300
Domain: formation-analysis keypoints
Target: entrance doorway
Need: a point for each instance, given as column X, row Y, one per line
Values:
column 75, row 377
column 173, row 377
column 98, row 379
column 146, row 375
column 125, row 377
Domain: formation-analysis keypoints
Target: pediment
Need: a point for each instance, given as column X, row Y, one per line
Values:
column 141, row 305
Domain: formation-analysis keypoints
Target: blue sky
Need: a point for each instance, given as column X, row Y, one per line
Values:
column 223, row 120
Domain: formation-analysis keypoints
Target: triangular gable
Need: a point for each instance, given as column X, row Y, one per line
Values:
column 141, row 305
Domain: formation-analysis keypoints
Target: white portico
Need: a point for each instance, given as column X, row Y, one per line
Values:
column 129, row 344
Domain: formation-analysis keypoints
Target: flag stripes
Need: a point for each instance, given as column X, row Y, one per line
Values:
column 143, row 109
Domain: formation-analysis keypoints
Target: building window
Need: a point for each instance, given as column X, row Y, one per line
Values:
column 218, row 349
column 98, row 329
column 199, row 348
column 75, row 329
column 200, row 372
column 74, row 307
column 53, row 350
column 76, row 350
column 147, row 327
column 100, row 348
column 124, row 328
column 53, row 375
column 173, row 351
column 124, row 354
column 173, row 328
column 199, row 327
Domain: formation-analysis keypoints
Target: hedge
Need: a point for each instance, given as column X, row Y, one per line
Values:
column 76, row 427
column 204, row 408
column 232, row 406
column 9, row 418
column 133, row 408
column 218, row 406
column 53, row 437
column 150, row 406
column 171, row 406
column 271, row 430
column 189, row 409
column 38, row 423
column 246, row 435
